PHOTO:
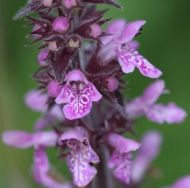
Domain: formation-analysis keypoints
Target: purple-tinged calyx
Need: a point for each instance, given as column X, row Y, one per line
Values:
column 159, row 113
column 81, row 155
column 121, row 158
column 118, row 46
column 150, row 147
column 77, row 95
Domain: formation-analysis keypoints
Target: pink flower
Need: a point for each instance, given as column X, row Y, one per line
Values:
column 184, row 182
column 120, row 160
column 81, row 155
column 148, row 151
column 23, row 140
column 77, row 95
column 120, row 46
column 42, row 171
column 159, row 113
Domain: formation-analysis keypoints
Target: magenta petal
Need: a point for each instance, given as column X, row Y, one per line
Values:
column 82, row 171
column 53, row 88
column 45, row 138
column 76, row 111
column 133, row 44
column 175, row 114
column 153, row 92
column 170, row 114
column 115, row 29
column 146, row 68
column 184, row 182
column 42, row 171
column 21, row 139
column 125, row 61
column 81, row 155
column 36, row 100
column 122, row 144
column 130, row 58
column 69, row 3
column 43, row 56
column 121, row 165
column 135, row 108
column 18, row 139
column 130, row 31
column 148, row 151
column 75, row 75
column 93, row 93
column 78, row 133
column 157, row 113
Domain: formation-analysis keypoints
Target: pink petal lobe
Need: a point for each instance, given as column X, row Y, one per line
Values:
column 148, row 151
column 18, row 139
column 81, row 156
column 153, row 92
column 145, row 67
column 184, row 182
column 130, row 31
column 170, row 113
column 125, row 60
column 36, row 100
column 122, row 144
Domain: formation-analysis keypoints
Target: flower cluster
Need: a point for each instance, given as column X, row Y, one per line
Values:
column 84, row 114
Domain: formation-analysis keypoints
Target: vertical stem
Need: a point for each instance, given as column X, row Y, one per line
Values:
column 104, row 177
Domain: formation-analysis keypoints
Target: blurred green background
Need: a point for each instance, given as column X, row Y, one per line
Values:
column 165, row 41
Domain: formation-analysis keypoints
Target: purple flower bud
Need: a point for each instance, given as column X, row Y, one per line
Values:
column 53, row 88
column 69, row 3
column 47, row 3
column 96, row 30
column 112, row 84
column 42, row 57
column 61, row 24
column 35, row 100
